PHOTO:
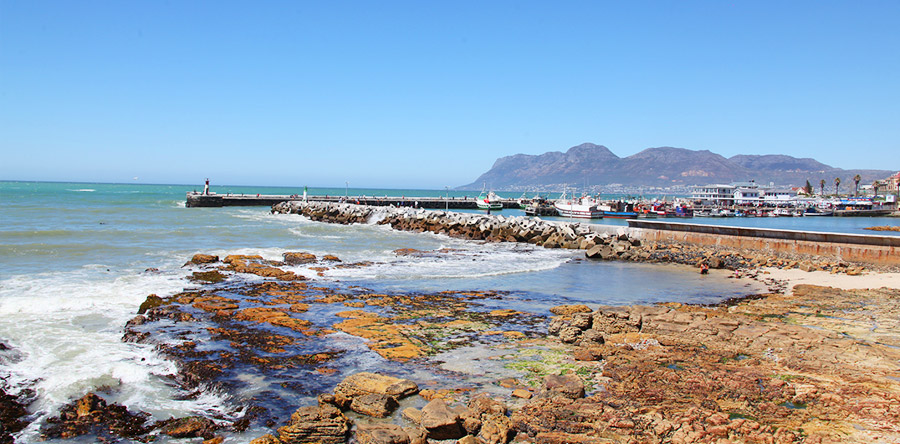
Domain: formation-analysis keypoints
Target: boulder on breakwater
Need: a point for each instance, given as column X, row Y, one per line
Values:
column 491, row 228
column 598, row 242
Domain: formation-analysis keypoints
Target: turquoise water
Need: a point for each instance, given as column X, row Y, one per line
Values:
column 76, row 260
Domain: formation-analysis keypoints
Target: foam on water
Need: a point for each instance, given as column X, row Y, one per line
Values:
column 66, row 329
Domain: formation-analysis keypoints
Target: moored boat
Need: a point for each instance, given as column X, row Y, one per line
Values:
column 489, row 201
column 584, row 208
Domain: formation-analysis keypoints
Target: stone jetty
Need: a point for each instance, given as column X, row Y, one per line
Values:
column 597, row 241
column 491, row 228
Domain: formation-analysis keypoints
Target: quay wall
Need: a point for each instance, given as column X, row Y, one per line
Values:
column 879, row 250
column 195, row 200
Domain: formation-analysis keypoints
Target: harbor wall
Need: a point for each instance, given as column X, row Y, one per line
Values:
column 197, row 200
column 879, row 250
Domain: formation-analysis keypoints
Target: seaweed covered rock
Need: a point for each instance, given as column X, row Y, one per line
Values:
column 92, row 415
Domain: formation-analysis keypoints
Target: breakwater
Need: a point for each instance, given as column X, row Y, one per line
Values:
column 197, row 200
column 612, row 243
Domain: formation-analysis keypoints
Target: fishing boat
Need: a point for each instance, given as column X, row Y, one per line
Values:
column 540, row 206
column 813, row 211
column 489, row 201
column 584, row 208
column 621, row 210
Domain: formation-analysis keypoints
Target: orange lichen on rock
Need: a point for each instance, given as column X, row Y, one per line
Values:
column 386, row 338
column 273, row 316
column 214, row 303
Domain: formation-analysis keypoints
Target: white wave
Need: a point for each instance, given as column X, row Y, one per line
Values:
column 67, row 328
column 83, row 190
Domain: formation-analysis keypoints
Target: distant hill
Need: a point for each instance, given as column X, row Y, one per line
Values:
column 665, row 166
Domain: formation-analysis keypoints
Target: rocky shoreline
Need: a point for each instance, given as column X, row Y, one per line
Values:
column 817, row 365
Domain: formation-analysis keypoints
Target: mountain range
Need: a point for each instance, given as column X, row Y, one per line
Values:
column 659, row 167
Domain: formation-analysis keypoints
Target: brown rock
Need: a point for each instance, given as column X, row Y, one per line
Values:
column 522, row 393
column 203, row 259
column 587, row 354
column 330, row 258
column 266, row 439
column 567, row 310
column 414, row 415
column 324, row 425
column 568, row 385
column 417, row 435
column 299, row 258
column 365, row 383
column 569, row 334
column 374, row 404
column 190, row 427
column 381, row 434
column 440, row 421
column 495, row 428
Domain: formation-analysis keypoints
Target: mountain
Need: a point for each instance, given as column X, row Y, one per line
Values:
column 664, row 166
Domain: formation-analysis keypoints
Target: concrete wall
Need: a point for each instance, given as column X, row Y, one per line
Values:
column 880, row 250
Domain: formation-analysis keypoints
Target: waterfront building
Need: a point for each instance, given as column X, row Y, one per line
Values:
column 891, row 184
column 716, row 195
column 779, row 197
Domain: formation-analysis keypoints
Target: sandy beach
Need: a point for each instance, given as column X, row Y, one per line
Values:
column 793, row 277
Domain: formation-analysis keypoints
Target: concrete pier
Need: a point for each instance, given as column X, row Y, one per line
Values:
column 195, row 200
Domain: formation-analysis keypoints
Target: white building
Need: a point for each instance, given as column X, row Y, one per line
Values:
column 746, row 195
column 718, row 195
column 779, row 197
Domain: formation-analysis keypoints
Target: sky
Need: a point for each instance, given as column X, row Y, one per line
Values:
column 428, row 94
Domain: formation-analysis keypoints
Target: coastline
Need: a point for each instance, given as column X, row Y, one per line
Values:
column 295, row 318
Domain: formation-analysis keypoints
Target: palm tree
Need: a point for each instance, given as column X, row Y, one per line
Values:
column 837, row 186
column 856, row 180
column 822, row 186
column 875, row 186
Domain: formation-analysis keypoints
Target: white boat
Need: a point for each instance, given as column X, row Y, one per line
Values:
column 584, row 208
column 489, row 201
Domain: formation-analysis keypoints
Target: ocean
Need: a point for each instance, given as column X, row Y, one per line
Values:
column 77, row 259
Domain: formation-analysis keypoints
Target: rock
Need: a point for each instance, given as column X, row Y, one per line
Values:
column 414, row 415
column 593, row 336
column 495, row 428
column 569, row 335
column 299, row 258
column 266, row 439
column 198, row 259
column 522, row 393
column 587, row 354
column 612, row 320
column 365, row 383
column 190, row 427
column 468, row 439
column 374, row 404
column 417, row 435
column 568, row 385
column 152, row 301
column 325, row 425
column 440, row 421
column 582, row 320
column 381, row 434
column 567, row 310
column 483, row 404
column 330, row 258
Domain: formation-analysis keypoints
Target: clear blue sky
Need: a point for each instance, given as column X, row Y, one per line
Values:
column 430, row 93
